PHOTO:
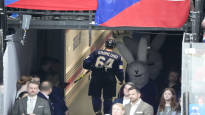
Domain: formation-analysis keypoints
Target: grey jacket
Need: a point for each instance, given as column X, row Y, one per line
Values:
column 41, row 107
column 142, row 109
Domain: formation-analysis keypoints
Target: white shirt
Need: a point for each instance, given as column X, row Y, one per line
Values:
column 125, row 101
column 134, row 107
column 31, row 102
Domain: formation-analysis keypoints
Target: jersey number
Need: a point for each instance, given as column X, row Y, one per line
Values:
column 102, row 62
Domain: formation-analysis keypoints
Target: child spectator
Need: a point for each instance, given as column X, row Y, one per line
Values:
column 168, row 104
column 118, row 109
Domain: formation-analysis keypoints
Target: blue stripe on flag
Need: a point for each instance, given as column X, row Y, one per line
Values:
column 7, row 2
column 109, row 8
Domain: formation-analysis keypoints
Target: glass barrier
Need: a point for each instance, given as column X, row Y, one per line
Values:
column 193, row 79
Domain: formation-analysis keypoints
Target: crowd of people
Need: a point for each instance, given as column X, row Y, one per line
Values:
column 41, row 93
column 130, row 97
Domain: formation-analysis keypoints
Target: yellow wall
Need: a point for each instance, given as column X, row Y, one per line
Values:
column 73, row 55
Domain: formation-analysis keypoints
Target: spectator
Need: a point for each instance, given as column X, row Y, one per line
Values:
column 45, row 91
column 53, row 78
column 58, row 101
column 56, row 65
column 168, row 104
column 124, row 96
column 36, row 78
column 32, row 104
column 137, row 105
column 118, row 109
column 105, row 65
column 22, row 84
column 174, row 82
column 45, row 68
column 57, row 95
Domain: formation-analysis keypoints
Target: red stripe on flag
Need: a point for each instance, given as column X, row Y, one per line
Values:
column 153, row 13
column 56, row 4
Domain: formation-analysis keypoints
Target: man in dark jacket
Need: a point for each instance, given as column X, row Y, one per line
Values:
column 105, row 65
column 45, row 91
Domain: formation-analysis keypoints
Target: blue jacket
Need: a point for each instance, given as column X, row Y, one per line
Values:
column 57, row 98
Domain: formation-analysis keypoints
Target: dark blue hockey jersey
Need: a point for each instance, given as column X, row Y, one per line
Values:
column 105, row 65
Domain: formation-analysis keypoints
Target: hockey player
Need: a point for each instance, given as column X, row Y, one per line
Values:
column 105, row 65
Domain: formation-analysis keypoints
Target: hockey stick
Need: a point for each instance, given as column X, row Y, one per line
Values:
column 82, row 76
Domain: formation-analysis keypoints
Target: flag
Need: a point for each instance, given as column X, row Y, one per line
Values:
column 63, row 5
column 142, row 13
column 7, row 2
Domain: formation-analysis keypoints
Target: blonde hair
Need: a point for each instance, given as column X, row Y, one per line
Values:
column 119, row 105
column 24, row 79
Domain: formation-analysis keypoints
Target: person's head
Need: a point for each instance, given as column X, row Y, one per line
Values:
column 23, row 81
column 53, row 78
column 56, row 65
column 134, row 94
column 168, row 97
column 36, row 78
column 118, row 109
column 126, row 88
column 110, row 44
column 46, row 87
column 33, row 88
column 46, row 63
column 173, row 76
column 169, row 94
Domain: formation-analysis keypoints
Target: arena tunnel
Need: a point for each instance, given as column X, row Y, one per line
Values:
column 69, row 47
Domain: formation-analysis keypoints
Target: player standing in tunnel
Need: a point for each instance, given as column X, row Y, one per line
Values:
column 105, row 65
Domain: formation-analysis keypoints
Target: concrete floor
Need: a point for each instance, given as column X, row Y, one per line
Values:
column 81, row 104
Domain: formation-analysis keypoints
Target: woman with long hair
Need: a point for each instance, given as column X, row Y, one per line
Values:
column 168, row 104
column 22, row 84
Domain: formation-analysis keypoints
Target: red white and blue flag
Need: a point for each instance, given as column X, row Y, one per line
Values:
column 142, row 13
column 118, row 13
